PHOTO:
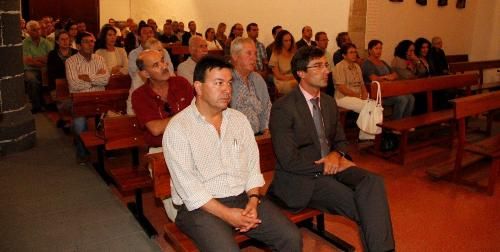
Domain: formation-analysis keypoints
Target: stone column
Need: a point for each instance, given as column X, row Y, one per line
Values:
column 357, row 25
column 17, row 126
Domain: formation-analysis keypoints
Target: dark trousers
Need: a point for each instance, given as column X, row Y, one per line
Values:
column 211, row 233
column 359, row 195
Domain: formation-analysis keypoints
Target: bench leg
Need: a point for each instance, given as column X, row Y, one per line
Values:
column 331, row 238
column 137, row 210
column 495, row 166
column 99, row 166
column 403, row 145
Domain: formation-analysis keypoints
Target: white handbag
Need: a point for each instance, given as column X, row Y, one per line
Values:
column 371, row 114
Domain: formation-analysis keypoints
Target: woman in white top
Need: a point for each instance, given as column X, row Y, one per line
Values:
column 115, row 57
column 212, row 43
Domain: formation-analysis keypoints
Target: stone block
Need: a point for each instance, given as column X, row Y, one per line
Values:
column 13, row 95
column 9, row 5
column 16, row 131
column 11, row 32
column 11, row 63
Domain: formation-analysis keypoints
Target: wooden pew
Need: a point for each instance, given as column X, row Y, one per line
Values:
column 123, row 132
column 479, row 66
column 119, row 81
column 489, row 147
column 181, row 242
column 457, row 58
column 427, row 85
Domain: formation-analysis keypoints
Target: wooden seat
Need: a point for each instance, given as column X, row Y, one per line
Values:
column 457, row 58
column 181, row 242
column 427, row 85
column 90, row 104
column 62, row 90
column 180, row 50
column 119, row 81
column 489, row 147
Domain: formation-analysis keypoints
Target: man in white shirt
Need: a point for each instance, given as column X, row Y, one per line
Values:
column 197, row 48
column 213, row 160
column 85, row 72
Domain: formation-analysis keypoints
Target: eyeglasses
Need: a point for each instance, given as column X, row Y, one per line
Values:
column 320, row 66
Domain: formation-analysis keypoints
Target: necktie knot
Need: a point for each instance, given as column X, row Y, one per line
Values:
column 315, row 102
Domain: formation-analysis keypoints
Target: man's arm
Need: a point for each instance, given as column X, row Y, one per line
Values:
column 157, row 127
column 101, row 77
column 72, row 75
column 281, row 124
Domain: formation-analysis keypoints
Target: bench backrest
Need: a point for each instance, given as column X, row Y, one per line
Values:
column 62, row 89
column 119, row 81
column 457, row 58
column 95, row 103
column 180, row 50
column 122, row 132
column 476, row 104
column 161, row 176
column 427, row 85
column 460, row 67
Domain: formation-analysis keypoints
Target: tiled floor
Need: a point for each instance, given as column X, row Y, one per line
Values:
column 51, row 204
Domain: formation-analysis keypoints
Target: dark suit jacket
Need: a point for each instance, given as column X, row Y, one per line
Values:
column 186, row 36
column 297, row 146
column 302, row 43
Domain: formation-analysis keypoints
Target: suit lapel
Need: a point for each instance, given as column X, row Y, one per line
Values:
column 305, row 115
column 326, row 112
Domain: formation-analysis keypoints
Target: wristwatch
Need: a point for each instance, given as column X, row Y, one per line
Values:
column 344, row 155
column 255, row 196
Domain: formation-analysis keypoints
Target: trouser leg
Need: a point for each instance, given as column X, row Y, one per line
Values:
column 79, row 126
column 33, row 81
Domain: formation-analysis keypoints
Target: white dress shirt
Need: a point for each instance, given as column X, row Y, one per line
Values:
column 205, row 165
column 186, row 69
column 79, row 65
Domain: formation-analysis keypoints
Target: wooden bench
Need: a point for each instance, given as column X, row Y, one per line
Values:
column 457, row 58
column 404, row 125
column 119, row 81
column 478, row 66
column 181, row 242
column 123, row 132
column 489, row 147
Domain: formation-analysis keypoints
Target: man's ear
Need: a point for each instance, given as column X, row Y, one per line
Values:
column 301, row 74
column 144, row 74
column 197, row 87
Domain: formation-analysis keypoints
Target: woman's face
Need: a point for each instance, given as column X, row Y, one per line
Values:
column 210, row 34
column 424, row 50
column 221, row 29
column 73, row 30
column 376, row 51
column 352, row 55
column 287, row 42
column 110, row 37
column 238, row 31
column 411, row 52
column 63, row 41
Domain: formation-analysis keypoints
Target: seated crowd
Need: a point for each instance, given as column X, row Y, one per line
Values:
column 221, row 106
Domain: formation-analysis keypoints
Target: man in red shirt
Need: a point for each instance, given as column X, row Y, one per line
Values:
column 161, row 97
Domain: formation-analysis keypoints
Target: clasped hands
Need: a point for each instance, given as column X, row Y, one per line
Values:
column 244, row 219
column 334, row 163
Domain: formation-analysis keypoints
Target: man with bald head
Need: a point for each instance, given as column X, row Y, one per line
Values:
column 197, row 48
column 307, row 34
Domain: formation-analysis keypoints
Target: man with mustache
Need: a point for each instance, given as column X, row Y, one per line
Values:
column 213, row 160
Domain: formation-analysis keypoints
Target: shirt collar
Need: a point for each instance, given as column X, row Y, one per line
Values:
column 307, row 95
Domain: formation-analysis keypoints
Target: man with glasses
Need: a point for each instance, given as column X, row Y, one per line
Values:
column 313, row 168
column 85, row 72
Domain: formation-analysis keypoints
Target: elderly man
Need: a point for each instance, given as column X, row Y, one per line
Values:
column 197, row 48
column 213, row 159
column 86, row 72
column 35, row 51
column 313, row 168
column 307, row 34
column 250, row 95
column 145, row 32
column 192, row 32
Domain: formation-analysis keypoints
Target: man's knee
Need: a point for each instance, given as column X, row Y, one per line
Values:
column 292, row 240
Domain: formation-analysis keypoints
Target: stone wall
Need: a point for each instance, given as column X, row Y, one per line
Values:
column 17, row 126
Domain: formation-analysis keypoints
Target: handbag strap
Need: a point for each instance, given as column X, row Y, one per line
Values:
column 379, row 93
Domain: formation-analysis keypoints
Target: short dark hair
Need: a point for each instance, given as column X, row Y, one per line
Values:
column 339, row 37
column 419, row 43
column 345, row 47
column 316, row 36
column 275, row 29
column 373, row 43
column 142, row 26
column 81, row 35
column 249, row 26
column 302, row 58
column 208, row 63
column 303, row 28
column 402, row 48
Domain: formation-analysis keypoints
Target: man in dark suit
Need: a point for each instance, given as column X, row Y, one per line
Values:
column 307, row 34
column 192, row 32
column 313, row 168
